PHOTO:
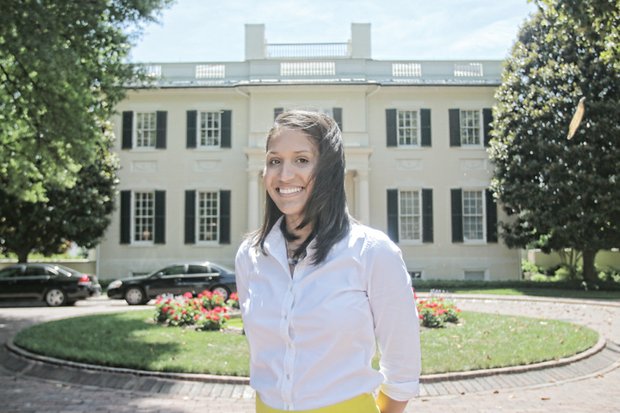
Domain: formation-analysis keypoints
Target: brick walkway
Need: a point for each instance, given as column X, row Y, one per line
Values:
column 589, row 385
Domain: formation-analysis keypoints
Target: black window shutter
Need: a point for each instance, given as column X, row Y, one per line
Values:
column 392, row 214
column 337, row 112
column 427, row 215
column 160, row 217
column 425, row 120
column 125, row 217
column 457, row 214
column 127, row 129
column 162, row 117
column 226, row 141
column 455, row 127
column 277, row 111
column 224, row 217
column 491, row 209
column 190, row 217
column 390, row 123
column 487, row 118
column 191, row 128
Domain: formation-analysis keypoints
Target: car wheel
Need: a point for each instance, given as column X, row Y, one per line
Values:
column 223, row 291
column 55, row 297
column 135, row 296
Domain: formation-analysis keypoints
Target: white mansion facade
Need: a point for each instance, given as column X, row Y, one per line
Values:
column 415, row 132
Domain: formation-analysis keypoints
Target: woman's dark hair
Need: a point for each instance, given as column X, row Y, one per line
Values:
column 326, row 209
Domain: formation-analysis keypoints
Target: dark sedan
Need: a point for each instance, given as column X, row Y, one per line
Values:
column 55, row 284
column 175, row 279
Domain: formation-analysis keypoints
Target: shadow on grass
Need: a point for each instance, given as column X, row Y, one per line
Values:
column 119, row 340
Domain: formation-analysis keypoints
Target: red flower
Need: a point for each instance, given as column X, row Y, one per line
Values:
column 188, row 295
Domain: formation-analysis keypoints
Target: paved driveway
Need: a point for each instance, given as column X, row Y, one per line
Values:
column 581, row 388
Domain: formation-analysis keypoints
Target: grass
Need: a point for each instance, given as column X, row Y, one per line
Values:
column 483, row 341
column 132, row 340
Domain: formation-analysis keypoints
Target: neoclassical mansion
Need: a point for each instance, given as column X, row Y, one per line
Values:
column 416, row 135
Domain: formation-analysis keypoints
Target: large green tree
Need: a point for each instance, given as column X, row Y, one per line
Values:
column 63, row 65
column 79, row 214
column 559, row 192
column 63, row 69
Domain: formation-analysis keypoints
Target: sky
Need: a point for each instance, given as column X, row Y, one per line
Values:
column 214, row 30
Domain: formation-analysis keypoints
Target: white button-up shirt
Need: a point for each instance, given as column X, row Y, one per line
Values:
column 313, row 333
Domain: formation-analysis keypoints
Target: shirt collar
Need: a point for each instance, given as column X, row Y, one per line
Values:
column 275, row 243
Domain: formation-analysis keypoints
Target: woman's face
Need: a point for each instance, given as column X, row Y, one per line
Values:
column 292, row 156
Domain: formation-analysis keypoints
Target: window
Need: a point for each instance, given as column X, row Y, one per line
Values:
column 144, row 216
column 209, row 129
column 208, row 216
column 474, row 275
column 473, row 216
column 470, row 127
column 198, row 269
column 146, row 129
column 11, row 272
column 408, row 128
column 173, row 270
column 410, row 216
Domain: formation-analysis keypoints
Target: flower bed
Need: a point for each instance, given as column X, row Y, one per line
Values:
column 207, row 311
column 436, row 311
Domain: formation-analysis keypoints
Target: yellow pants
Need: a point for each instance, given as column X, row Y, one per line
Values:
column 364, row 403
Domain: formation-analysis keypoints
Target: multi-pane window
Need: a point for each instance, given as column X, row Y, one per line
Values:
column 210, row 129
column 144, row 216
column 470, row 127
column 208, row 216
column 410, row 216
column 473, row 215
column 407, row 127
column 146, row 129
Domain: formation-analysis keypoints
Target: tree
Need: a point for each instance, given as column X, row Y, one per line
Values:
column 62, row 71
column 80, row 214
column 557, row 192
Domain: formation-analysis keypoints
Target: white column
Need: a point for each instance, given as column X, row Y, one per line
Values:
column 363, row 207
column 253, row 198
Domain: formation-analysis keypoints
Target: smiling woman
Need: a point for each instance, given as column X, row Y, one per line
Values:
column 312, row 278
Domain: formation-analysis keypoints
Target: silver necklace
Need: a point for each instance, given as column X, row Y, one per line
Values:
column 291, row 258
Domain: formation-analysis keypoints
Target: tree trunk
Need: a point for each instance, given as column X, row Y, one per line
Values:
column 22, row 256
column 589, row 272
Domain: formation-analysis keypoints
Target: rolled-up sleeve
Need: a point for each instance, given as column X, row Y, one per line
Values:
column 395, row 320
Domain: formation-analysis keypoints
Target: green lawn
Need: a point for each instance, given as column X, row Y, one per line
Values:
column 133, row 340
